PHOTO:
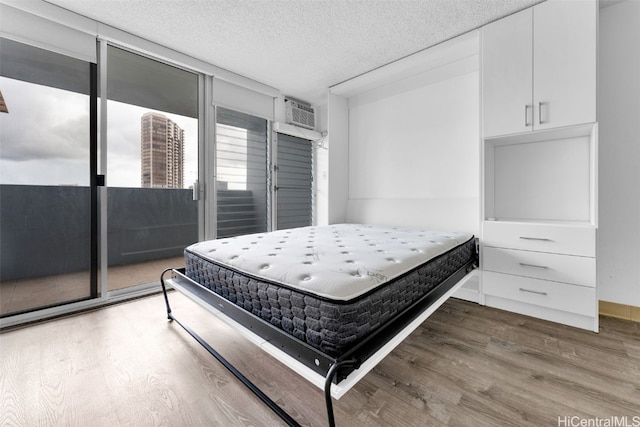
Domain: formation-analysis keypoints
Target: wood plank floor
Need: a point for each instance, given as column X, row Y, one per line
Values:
column 467, row 365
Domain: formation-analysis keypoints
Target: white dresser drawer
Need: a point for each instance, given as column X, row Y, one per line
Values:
column 553, row 238
column 559, row 296
column 560, row 268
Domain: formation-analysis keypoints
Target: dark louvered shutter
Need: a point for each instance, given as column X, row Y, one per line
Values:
column 294, row 182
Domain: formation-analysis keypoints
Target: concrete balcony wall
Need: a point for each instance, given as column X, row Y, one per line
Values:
column 149, row 223
column 45, row 230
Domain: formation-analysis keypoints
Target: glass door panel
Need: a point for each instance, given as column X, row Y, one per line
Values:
column 152, row 165
column 45, row 186
column 241, row 171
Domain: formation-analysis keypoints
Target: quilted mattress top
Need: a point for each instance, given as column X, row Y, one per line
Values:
column 338, row 262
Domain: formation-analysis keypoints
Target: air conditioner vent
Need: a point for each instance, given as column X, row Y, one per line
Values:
column 300, row 114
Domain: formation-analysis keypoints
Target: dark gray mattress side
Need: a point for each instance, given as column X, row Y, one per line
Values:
column 330, row 326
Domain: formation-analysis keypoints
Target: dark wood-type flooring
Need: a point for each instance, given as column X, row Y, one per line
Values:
column 467, row 365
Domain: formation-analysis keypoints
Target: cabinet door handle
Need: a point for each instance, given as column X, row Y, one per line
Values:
column 541, row 239
column 540, row 113
column 526, row 115
column 532, row 291
column 524, row 264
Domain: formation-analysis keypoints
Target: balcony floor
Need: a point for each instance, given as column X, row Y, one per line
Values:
column 22, row 295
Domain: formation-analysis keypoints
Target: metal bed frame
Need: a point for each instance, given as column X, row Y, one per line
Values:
column 322, row 369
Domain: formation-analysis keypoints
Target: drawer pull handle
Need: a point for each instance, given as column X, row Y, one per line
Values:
column 533, row 265
column 541, row 239
column 532, row 292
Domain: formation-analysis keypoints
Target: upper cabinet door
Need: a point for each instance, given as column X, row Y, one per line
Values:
column 564, row 61
column 507, row 75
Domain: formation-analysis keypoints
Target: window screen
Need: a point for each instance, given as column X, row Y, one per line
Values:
column 152, row 159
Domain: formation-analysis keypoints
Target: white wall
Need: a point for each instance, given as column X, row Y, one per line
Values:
column 619, row 154
column 338, row 160
column 321, row 169
column 414, row 156
column 414, row 150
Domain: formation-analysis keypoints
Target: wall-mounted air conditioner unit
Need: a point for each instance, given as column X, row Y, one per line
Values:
column 300, row 114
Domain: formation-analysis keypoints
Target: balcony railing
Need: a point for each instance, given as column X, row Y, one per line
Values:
column 45, row 238
column 45, row 230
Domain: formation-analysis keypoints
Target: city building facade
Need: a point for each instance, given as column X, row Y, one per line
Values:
column 162, row 152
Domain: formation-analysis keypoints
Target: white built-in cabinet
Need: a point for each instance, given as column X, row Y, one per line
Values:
column 539, row 163
column 539, row 68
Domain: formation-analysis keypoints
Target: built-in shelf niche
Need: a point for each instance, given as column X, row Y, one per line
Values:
column 546, row 176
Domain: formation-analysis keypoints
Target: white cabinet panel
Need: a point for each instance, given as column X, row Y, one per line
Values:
column 559, row 239
column 559, row 296
column 539, row 162
column 507, row 73
column 539, row 68
column 558, row 268
column 564, row 60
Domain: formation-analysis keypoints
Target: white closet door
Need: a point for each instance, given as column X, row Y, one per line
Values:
column 507, row 75
column 564, row 63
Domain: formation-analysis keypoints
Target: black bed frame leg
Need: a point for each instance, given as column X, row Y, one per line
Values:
column 333, row 371
column 284, row 416
column 164, row 291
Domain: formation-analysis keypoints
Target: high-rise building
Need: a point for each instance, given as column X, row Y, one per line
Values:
column 162, row 152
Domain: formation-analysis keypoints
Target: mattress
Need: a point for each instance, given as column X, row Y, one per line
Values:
column 329, row 286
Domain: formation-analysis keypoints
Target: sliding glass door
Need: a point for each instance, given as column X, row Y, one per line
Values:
column 47, row 195
column 152, row 166
column 55, row 220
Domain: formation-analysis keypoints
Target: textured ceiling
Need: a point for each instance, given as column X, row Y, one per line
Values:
column 300, row 47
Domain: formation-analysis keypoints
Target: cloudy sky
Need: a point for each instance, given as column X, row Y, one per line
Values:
column 44, row 140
